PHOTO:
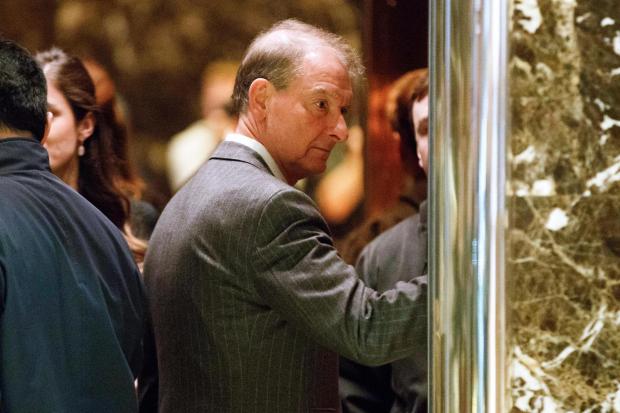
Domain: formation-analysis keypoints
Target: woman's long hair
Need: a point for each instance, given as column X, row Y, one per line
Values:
column 99, row 166
column 114, row 115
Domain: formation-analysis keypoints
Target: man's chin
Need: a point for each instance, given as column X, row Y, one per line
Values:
column 316, row 167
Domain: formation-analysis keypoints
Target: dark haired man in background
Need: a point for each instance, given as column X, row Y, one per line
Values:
column 71, row 300
column 396, row 255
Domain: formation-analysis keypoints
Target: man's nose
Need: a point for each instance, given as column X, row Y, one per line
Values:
column 340, row 132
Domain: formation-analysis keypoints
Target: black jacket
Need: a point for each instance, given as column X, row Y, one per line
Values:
column 71, row 300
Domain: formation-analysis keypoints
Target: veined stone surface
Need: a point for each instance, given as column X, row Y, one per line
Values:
column 564, row 200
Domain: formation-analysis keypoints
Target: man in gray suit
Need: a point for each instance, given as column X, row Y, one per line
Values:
column 250, row 300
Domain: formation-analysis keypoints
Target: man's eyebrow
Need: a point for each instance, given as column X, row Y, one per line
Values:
column 320, row 90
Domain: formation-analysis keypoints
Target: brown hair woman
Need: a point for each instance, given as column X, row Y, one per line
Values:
column 80, row 143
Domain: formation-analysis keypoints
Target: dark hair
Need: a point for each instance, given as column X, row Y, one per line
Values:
column 278, row 58
column 23, row 91
column 98, row 166
column 407, row 89
column 114, row 116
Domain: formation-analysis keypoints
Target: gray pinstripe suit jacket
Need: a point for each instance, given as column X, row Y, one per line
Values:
column 250, row 299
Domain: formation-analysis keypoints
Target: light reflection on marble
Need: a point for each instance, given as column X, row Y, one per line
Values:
column 564, row 201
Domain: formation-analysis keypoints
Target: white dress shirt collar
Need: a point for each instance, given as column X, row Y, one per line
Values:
column 257, row 147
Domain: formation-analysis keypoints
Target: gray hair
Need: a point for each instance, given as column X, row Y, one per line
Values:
column 277, row 55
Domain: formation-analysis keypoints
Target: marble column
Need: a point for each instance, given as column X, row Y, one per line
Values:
column 525, row 265
column 563, row 250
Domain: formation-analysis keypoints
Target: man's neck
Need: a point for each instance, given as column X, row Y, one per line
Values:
column 248, row 128
column 10, row 133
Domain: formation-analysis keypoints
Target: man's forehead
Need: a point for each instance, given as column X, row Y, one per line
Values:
column 326, row 76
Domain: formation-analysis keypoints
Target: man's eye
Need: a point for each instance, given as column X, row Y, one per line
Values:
column 344, row 111
column 322, row 104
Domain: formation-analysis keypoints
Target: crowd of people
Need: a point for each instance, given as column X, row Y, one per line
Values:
column 235, row 298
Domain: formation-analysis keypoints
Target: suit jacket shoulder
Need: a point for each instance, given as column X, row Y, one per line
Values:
column 398, row 254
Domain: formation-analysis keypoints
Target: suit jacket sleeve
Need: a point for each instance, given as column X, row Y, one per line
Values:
column 300, row 274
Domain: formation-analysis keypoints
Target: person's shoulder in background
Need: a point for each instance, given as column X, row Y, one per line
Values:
column 143, row 218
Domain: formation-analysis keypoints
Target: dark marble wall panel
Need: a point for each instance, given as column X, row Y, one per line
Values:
column 564, row 202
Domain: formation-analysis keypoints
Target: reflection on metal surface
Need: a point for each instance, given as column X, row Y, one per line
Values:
column 468, row 156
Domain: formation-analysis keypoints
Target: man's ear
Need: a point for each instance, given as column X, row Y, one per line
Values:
column 258, row 97
column 86, row 127
column 48, row 126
